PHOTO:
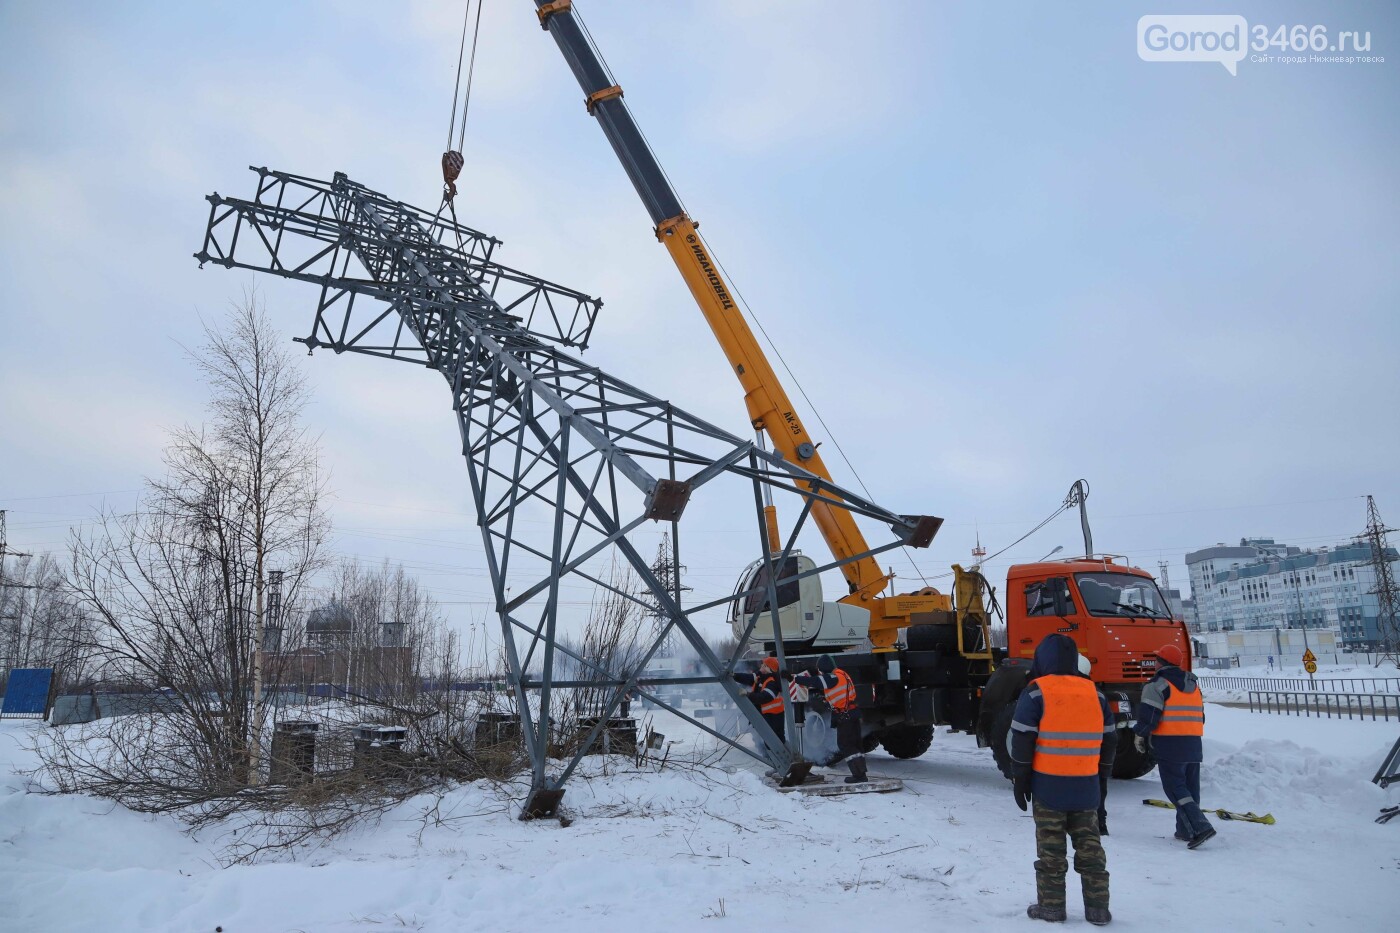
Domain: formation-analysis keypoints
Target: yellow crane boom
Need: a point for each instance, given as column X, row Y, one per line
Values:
column 769, row 407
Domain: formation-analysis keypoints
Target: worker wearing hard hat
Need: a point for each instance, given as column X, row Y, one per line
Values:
column 1062, row 734
column 766, row 692
column 1171, row 719
column 838, row 692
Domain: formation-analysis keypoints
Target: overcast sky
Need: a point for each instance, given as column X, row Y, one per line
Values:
column 999, row 251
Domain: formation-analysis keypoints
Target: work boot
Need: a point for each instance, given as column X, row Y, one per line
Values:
column 1181, row 836
column 1200, row 837
column 1098, row 916
column 1042, row 912
column 857, row 766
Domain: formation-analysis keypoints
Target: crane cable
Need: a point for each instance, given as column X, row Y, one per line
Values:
column 452, row 160
column 803, row 392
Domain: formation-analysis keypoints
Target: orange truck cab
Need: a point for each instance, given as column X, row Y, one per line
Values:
column 1114, row 613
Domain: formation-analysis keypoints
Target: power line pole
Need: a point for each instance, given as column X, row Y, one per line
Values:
column 1385, row 591
column 6, row 552
column 669, row 570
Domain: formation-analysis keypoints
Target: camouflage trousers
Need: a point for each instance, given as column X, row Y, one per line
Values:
column 1051, row 862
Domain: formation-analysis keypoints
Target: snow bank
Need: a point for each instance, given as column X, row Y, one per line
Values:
column 704, row 849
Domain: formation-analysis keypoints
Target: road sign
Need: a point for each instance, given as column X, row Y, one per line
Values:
column 1309, row 657
column 1310, row 667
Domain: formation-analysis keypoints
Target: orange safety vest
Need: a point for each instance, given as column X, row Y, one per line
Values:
column 841, row 696
column 774, row 705
column 1071, row 728
column 1184, row 714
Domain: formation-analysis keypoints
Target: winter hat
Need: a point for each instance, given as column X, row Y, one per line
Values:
column 769, row 664
column 825, row 664
column 1170, row 654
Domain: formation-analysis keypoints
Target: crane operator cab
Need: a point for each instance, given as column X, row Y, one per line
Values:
column 803, row 618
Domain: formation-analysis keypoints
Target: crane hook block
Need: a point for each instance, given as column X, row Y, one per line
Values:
column 924, row 528
column 452, row 162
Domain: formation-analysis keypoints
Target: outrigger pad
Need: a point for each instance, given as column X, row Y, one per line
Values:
column 542, row 804
column 818, row 786
column 796, row 774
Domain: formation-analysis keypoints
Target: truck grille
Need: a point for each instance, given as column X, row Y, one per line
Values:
column 1136, row 670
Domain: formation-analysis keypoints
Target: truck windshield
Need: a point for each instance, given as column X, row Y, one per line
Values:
column 1121, row 594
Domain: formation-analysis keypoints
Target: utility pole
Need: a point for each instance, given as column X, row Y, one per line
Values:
column 1298, row 594
column 669, row 570
column 4, row 544
column 1387, row 597
column 1078, row 495
column 6, row 552
column 1166, row 585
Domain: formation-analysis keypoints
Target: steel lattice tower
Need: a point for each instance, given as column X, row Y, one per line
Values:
column 565, row 461
column 1387, row 597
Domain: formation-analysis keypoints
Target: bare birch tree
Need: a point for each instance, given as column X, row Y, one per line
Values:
column 178, row 587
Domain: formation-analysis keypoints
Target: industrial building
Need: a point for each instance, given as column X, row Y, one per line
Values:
column 1262, row 584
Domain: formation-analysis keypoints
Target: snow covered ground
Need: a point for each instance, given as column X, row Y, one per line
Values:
column 714, row 849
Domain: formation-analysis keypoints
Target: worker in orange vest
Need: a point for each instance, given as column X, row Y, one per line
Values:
column 1062, row 737
column 1171, row 718
column 838, row 692
column 766, row 692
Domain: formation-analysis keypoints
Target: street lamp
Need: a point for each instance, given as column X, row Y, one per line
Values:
column 1298, row 595
column 1058, row 549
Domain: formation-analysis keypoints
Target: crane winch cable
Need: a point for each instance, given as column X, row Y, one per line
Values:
column 452, row 159
column 471, row 71
column 747, row 308
column 457, row 83
column 810, row 404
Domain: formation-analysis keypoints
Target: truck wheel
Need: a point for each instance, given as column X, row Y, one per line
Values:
column 905, row 741
column 1001, row 726
column 1129, row 762
column 870, row 742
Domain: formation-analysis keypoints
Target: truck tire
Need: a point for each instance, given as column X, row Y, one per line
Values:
column 905, row 741
column 1129, row 762
column 870, row 742
column 1001, row 726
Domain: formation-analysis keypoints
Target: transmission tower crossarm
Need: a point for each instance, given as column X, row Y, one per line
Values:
column 768, row 404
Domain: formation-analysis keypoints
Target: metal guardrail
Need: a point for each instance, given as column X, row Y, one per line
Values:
column 1318, row 685
column 1375, row 706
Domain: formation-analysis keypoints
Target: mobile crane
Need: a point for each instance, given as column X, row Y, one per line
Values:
column 930, row 659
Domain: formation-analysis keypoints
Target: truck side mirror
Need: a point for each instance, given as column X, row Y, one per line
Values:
column 1058, row 588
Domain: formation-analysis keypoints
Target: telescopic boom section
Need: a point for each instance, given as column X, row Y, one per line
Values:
column 768, row 403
